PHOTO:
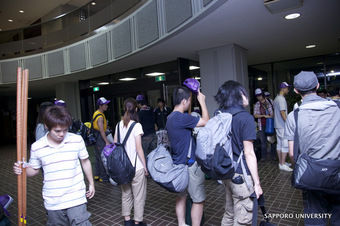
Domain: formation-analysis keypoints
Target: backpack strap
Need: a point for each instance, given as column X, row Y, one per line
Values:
column 92, row 129
column 296, row 136
column 126, row 137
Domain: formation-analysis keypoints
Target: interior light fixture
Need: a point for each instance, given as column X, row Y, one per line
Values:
column 198, row 78
column 21, row 11
column 259, row 78
column 310, row 46
column 127, row 79
column 10, row 20
column 103, row 83
column 93, row 3
column 333, row 73
column 193, row 68
column 155, row 74
column 292, row 16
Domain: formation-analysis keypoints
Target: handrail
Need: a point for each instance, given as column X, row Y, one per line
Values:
column 64, row 29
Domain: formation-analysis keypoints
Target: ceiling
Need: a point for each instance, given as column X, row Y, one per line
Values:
column 33, row 10
column 267, row 36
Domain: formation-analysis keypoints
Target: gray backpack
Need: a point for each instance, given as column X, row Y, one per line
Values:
column 214, row 151
column 172, row 177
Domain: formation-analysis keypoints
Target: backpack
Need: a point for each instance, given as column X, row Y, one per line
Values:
column 119, row 166
column 90, row 138
column 308, row 168
column 214, row 148
column 79, row 128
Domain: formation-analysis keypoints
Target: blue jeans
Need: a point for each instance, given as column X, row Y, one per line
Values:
column 315, row 202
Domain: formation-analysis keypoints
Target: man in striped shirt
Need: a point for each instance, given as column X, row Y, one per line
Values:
column 58, row 154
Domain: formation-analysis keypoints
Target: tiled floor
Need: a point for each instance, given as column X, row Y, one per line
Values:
column 281, row 198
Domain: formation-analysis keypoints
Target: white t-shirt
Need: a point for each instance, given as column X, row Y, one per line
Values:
column 64, row 185
column 131, row 142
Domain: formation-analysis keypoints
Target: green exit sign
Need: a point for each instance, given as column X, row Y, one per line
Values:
column 95, row 89
column 160, row 78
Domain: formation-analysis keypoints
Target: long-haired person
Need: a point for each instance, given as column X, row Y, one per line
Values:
column 133, row 194
column 233, row 98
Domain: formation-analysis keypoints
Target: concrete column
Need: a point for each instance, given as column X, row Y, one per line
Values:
column 69, row 92
column 218, row 65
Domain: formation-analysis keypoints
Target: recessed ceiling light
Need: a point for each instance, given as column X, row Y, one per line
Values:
column 292, row 16
column 10, row 20
column 310, row 46
column 155, row 74
column 21, row 11
column 193, row 67
column 127, row 79
column 93, row 3
column 103, row 83
column 259, row 78
column 197, row 78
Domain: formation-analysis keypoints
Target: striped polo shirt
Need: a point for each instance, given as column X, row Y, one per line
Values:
column 64, row 185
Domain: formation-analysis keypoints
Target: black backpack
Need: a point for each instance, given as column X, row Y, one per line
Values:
column 79, row 128
column 119, row 166
column 90, row 138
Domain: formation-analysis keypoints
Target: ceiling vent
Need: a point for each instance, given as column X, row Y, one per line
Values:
column 277, row 6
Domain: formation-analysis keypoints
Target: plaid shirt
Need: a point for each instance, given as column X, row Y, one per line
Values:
column 265, row 106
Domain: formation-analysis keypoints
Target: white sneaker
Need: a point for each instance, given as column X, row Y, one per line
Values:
column 285, row 168
column 288, row 164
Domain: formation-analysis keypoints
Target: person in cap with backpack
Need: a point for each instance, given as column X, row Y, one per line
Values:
column 317, row 136
column 262, row 110
column 100, row 128
column 134, row 193
column 233, row 98
column 179, row 126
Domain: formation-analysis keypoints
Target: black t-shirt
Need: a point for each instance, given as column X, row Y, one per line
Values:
column 243, row 128
column 147, row 119
column 161, row 117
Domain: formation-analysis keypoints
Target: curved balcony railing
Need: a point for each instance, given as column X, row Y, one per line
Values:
column 66, row 28
column 144, row 27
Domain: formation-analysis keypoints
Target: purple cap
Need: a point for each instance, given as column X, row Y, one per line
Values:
column 102, row 101
column 60, row 103
column 283, row 85
column 192, row 84
column 140, row 97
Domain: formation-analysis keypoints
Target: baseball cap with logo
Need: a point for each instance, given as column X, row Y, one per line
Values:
column 258, row 92
column 267, row 94
column 284, row 85
column 102, row 101
column 60, row 103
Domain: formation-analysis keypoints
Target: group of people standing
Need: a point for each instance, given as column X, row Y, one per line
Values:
column 65, row 198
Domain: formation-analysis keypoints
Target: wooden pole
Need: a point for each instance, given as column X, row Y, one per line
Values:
column 24, row 142
column 22, row 94
column 19, row 140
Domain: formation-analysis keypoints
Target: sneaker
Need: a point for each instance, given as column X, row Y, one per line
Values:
column 5, row 202
column 288, row 164
column 142, row 223
column 284, row 167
